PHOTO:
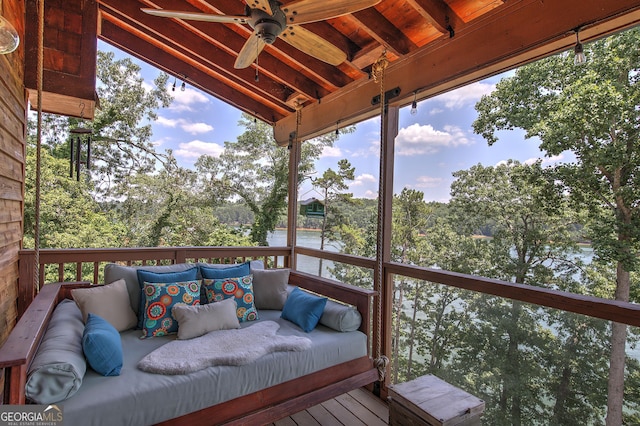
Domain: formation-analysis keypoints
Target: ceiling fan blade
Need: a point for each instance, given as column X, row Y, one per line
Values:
column 304, row 11
column 249, row 51
column 312, row 44
column 260, row 4
column 193, row 16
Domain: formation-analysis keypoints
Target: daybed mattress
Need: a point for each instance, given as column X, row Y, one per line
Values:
column 138, row 398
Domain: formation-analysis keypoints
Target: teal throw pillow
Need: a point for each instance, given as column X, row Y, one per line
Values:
column 222, row 271
column 160, row 298
column 102, row 346
column 241, row 289
column 161, row 277
column 303, row 309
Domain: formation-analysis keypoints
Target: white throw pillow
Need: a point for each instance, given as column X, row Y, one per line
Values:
column 194, row 321
column 110, row 302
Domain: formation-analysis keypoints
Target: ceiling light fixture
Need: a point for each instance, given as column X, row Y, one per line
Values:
column 9, row 38
column 414, row 104
column 184, row 86
column 578, row 50
column 173, row 88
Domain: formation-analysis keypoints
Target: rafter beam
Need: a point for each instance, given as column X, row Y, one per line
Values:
column 438, row 13
column 516, row 34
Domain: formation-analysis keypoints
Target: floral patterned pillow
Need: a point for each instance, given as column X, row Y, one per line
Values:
column 160, row 298
column 239, row 288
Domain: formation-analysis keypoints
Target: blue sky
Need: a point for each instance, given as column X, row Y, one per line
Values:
column 430, row 146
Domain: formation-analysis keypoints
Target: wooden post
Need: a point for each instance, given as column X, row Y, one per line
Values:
column 383, row 251
column 295, row 149
column 26, row 280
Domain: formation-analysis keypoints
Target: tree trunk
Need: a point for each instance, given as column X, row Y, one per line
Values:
column 412, row 331
column 615, row 386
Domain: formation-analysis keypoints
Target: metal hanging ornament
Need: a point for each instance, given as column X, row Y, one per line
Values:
column 79, row 136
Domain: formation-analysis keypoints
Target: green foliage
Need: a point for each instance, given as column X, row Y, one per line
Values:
column 255, row 170
column 69, row 216
column 591, row 112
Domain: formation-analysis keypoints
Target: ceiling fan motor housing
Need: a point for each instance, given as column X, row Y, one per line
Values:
column 268, row 27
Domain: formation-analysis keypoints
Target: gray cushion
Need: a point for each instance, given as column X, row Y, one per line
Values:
column 59, row 365
column 110, row 302
column 270, row 288
column 254, row 264
column 338, row 316
column 194, row 321
column 114, row 272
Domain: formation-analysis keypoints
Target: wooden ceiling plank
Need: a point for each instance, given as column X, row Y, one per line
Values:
column 520, row 32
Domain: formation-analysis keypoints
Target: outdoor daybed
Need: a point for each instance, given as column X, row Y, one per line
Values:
column 261, row 391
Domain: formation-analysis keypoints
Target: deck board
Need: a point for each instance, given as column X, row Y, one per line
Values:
column 356, row 408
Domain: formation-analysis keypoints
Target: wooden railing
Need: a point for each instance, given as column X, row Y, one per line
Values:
column 94, row 260
column 622, row 312
column 88, row 264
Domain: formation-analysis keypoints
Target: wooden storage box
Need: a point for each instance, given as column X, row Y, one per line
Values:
column 431, row 401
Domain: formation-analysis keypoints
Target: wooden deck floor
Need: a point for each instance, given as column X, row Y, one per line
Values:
column 355, row 408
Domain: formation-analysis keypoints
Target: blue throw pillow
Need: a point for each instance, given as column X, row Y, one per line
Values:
column 222, row 271
column 303, row 309
column 102, row 346
column 161, row 277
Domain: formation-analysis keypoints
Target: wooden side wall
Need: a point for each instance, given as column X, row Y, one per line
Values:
column 13, row 129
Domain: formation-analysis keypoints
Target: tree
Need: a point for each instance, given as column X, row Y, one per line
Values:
column 532, row 231
column 121, row 143
column 332, row 184
column 256, row 170
column 69, row 216
column 166, row 209
column 590, row 111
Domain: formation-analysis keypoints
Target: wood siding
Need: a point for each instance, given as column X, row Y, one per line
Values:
column 12, row 171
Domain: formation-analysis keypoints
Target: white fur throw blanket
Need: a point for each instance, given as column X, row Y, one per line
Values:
column 222, row 347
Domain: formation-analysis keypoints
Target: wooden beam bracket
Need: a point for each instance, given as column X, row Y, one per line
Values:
column 389, row 94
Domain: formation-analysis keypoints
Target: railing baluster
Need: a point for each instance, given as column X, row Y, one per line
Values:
column 61, row 272
column 96, row 271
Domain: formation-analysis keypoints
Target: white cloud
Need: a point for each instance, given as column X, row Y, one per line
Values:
column 185, row 125
column 428, row 182
column 546, row 160
column 196, row 128
column 187, row 99
column 469, row 94
column 330, row 151
column 371, row 194
column 435, row 111
column 196, row 148
column 363, row 178
column 419, row 140
column 167, row 122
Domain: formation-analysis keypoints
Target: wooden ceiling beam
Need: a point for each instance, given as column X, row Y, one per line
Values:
column 437, row 13
column 384, row 31
column 516, row 33
column 159, row 57
column 324, row 75
column 197, row 48
column 215, row 59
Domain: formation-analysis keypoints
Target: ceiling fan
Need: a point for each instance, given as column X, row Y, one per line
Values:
column 271, row 19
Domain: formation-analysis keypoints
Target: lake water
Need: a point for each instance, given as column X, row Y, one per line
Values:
column 305, row 238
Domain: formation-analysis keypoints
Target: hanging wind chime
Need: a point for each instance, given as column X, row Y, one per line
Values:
column 79, row 136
